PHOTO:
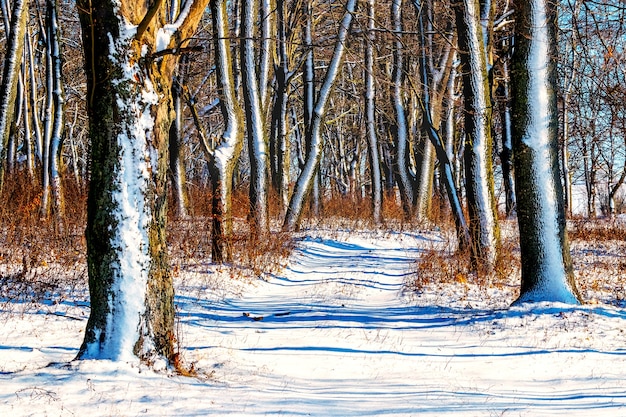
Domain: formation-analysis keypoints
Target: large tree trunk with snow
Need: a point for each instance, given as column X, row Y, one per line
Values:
column 547, row 273
column 129, row 76
column 313, row 134
column 479, row 183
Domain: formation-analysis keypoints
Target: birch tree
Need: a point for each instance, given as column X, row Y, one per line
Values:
column 313, row 132
column 547, row 273
column 130, row 58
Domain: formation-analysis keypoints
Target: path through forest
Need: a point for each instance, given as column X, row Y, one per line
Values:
column 333, row 334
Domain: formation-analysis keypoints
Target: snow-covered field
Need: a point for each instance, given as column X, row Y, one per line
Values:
column 334, row 334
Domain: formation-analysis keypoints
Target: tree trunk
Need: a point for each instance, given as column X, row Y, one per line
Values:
column 479, row 183
column 370, row 111
column 313, row 133
column 176, row 162
column 506, row 156
column 255, row 126
column 433, row 134
column 547, row 273
column 400, row 129
column 58, row 104
column 224, row 158
column 129, row 105
column 10, row 76
column 308, row 75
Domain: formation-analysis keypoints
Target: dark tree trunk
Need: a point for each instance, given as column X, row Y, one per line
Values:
column 129, row 105
column 547, row 273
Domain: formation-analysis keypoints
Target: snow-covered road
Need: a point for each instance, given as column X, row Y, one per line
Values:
column 332, row 335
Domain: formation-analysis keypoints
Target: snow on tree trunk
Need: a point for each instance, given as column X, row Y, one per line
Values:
column 10, row 76
column 547, row 273
column 481, row 202
column 130, row 112
column 370, row 109
column 255, row 126
column 305, row 181
column 222, row 162
column 402, row 162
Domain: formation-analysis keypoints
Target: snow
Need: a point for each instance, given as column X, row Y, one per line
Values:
column 165, row 33
column 333, row 334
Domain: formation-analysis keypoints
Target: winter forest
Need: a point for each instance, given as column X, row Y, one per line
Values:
column 312, row 207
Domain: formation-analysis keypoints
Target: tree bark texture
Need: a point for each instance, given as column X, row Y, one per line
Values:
column 547, row 273
column 130, row 113
column 479, row 182
column 10, row 76
column 255, row 126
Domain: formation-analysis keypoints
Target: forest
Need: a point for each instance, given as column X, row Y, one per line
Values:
column 175, row 169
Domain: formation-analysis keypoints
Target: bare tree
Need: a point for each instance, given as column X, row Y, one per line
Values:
column 479, row 183
column 547, row 273
column 433, row 135
column 223, row 159
column 130, row 59
column 400, row 129
column 370, row 109
column 313, row 133
column 10, row 76
column 255, row 126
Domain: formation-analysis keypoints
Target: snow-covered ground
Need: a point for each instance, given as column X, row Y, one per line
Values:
column 333, row 334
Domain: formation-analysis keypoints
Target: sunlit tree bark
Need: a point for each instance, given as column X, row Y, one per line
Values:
column 255, row 126
column 130, row 58
column 223, row 158
column 479, row 182
column 547, row 273
column 10, row 76
column 313, row 133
